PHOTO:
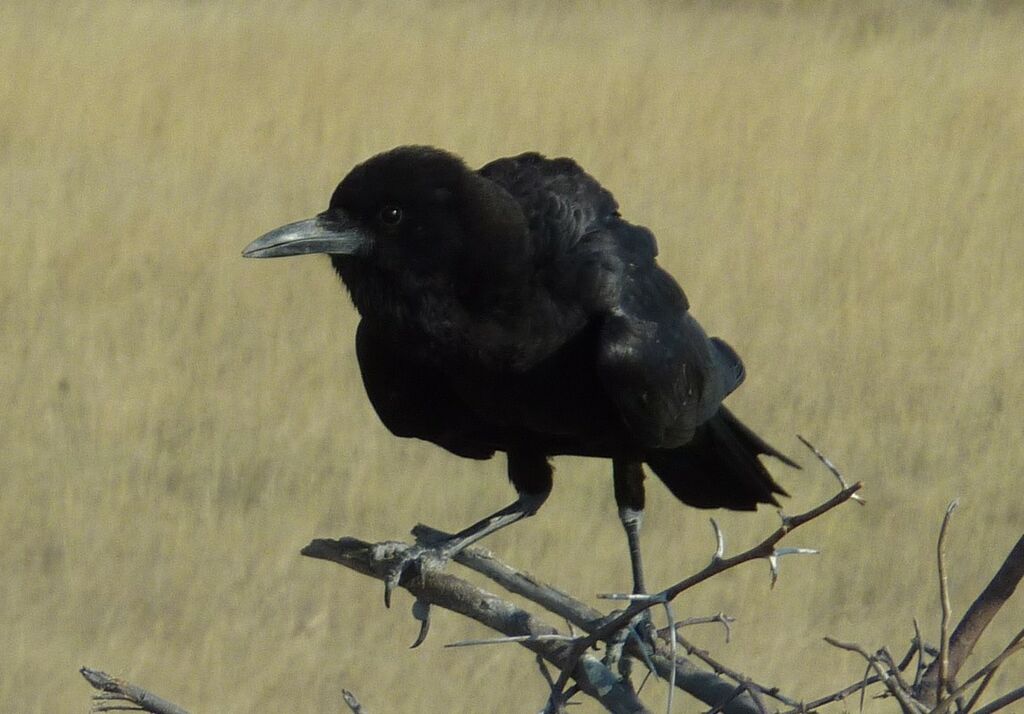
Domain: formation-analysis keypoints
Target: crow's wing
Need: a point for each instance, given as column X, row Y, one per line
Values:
column 659, row 367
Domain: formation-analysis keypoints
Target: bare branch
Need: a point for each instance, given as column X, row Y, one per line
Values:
column 944, row 673
column 748, row 684
column 459, row 596
column 571, row 658
column 511, row 640
column 118, row 690
column 725, row 620
column 946, row 704
column 988, row 677
column 764, row 549
column 705, row 686
column 976, row 620
column 919, row 645
column 907, row 704
column 831, row 467
column 1002, row 702
column 838, row 696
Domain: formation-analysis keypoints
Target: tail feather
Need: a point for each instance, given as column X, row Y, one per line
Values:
column 719, row 467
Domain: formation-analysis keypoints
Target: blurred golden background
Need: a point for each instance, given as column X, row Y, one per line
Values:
column 837, row 186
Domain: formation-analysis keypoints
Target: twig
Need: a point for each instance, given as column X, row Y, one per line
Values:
column 946, row 704
column 907, row 704
column 725, row 620
column 835, row 696
column 894, row 670
column 1003, row 701
column 978, row 616
column 988, row 677
column 944, row 673
column 831, row 467
column 921, row 667
column 114, row 689
column 673, row 638
column 519, row 639
column 764, row 549
column 720, row 668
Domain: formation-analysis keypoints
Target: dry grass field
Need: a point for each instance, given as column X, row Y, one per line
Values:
column 838, row 186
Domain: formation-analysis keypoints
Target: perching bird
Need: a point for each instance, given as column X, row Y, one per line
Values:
column 513, row 309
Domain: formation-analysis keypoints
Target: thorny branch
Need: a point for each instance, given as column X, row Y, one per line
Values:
column 571, row 657
column 700, row 683
column 460, row 596
column 725, row 690
column 718, row 564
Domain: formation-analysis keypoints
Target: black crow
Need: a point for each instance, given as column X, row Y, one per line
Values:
column 513, row 309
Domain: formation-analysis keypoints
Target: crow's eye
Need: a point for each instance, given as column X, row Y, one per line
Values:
column 390, row 215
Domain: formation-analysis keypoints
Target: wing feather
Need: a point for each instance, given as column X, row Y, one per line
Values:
column 659, row 367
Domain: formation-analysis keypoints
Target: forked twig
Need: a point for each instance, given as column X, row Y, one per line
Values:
column 114, row 692
column 907, row 704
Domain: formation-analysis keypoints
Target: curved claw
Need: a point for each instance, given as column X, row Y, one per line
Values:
column 421, row 611
column 408, row 565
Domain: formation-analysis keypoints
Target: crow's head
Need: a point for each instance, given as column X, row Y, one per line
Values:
column 410, row 223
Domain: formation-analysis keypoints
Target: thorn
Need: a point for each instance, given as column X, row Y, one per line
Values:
column 421, row 611
column 773, row 559
column 787, row 522
column 773, row 563
column 650, row 598
column 719, row 542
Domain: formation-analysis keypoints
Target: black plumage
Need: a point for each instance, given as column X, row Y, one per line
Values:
column 513, row 309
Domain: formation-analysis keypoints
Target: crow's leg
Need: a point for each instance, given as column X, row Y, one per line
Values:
column 529, row 472
column 629, row 497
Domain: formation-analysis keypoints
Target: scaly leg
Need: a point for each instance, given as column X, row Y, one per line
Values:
column 529, row 472
column 629, row 496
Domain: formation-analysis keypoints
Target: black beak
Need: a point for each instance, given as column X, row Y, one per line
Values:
column 333, row 233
